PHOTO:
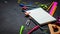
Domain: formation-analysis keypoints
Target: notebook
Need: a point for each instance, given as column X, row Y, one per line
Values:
column 41, row 16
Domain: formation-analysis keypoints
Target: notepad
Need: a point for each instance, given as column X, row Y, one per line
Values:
column 41, row 16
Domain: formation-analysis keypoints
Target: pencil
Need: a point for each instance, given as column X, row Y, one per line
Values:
column 53, row 9
column 50, row 6
column 19, row 1
column 21, row 29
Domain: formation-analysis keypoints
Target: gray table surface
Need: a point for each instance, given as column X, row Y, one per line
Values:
column 11, row 17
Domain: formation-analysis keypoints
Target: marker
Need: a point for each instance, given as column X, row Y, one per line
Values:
column 33, row 29
column 21, row 29
column 53, row 9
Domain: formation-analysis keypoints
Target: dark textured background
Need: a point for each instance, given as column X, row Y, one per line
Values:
column 11, row 17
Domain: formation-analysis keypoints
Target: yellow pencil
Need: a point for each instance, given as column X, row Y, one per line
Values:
column 19, row 1
column 50, row 6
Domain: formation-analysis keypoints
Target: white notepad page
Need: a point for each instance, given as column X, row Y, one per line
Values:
column 41, row 16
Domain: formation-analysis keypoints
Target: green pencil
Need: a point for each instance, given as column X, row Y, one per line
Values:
column 22, row 29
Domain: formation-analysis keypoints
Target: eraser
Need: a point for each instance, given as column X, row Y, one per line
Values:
column 41, row 16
